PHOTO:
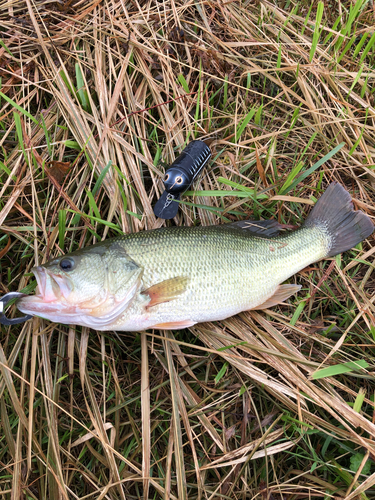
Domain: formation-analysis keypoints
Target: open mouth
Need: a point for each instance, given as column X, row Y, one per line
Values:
column 48, row 288
column 50, row 294
column 55, row 299
column 51, row 287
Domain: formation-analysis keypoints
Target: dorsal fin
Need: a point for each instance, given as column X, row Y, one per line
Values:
column 265, row 228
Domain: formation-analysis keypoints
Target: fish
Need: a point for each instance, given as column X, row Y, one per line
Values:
column 175, row 277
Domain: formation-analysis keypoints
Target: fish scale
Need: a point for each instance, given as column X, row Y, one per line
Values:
column 229, row 270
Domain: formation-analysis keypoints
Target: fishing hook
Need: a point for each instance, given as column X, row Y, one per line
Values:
column 4, row 302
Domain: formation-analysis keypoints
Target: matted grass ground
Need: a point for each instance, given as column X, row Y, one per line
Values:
column 96, row 99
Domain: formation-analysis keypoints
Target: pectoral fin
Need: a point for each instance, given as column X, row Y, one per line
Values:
column 282, row 293
column 165, row 291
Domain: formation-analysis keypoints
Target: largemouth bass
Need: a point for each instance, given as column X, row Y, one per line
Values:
column 175, row 277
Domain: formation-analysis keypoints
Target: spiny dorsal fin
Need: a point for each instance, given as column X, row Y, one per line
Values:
column 282, row 293
column 166, row 290
column 264, row 228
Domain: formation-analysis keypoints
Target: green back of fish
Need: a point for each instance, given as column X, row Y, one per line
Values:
column 227, row 267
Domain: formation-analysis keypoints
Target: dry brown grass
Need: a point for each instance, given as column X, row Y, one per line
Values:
column 225, row 410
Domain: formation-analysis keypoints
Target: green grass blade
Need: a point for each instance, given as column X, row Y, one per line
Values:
column 346, row 48
column 295, row 171
column 6, row 170
column 97, row 219
column 359, row 400
column 62, row 228
column 306, row 19
column 225, row 99
column 360, row 45
column 218, row 193
column 368, row 48
column 18, row 108
column 258, row 115
column 82, row 92
column 298, row 312
column 17, row 121
column 236, row 185
column 333, row 29
column 355, row 81
column 360, row 136
column 243, row 124
column 364, row 88
column 2, row 44
column 183, row 83
column 316, row 165
column 93, row 205
column 331, row 371
column 66, row 80
column 73, row 145
column 346, row 30
column 101, row 178
column 221, row 372
column 317, row 30
column 123, row 196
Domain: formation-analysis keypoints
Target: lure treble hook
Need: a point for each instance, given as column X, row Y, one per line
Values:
column 4, row 302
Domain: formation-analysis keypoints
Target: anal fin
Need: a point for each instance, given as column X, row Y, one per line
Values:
column 282, row 293
column 174, row 325
column 166, row 290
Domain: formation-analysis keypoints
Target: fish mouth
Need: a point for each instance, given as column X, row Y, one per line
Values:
column 51, row 301
column 47, row 289
column 50, row 295
column 51, row 287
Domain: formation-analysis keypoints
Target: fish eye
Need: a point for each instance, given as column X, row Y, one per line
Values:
column 66, row 264
column 166, row 177
column 179, row 180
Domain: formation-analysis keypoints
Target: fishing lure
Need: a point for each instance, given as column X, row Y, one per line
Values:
column 179, row 177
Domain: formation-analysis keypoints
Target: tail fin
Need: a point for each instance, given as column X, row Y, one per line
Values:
column 334, row 213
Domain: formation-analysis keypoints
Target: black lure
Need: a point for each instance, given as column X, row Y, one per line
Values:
column 179, row 177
